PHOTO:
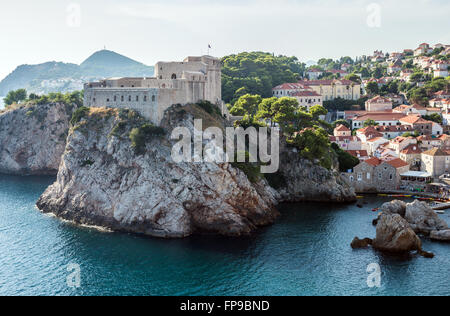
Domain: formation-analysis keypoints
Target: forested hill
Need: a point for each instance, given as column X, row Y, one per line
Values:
column 65, row 77
column 257, row 73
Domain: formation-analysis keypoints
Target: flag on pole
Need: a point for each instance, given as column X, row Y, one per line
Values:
column 209, row 46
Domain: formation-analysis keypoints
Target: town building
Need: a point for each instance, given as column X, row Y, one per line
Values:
column 347, row 142
column 423, row 127
column 379, row 104
column 412, row 154
column 381, row 118
column 342, row 130
column 307, row 98
column 374, row 175
column 400, row 143
column 193, row 80
column 423, row 48
column 436, row 162
column 314, row 73
column 337, row 88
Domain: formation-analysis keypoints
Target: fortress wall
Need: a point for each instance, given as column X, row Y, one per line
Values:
column 104, row 97
column 165, row 70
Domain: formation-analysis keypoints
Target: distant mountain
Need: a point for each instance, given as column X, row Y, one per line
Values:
column 66, row 77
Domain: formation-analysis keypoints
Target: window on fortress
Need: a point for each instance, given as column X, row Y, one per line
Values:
column 145, row 98
column 115, row 98
column 153, row 98
column 107, row 100
column 174, row 76
column 122, row 99
column 129, row 98
column 137, row 98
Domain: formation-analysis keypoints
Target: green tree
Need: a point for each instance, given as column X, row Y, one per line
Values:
column 317, row 111
column 257, row 73
column 285, row 110
column 346, row 161
column 16, row 96
column 370, row 123
column 372, row 87
column 247, row 104
column 266, row 109
column 314, row 145
column 341, row 122
column 435, row 117
column 353, row 77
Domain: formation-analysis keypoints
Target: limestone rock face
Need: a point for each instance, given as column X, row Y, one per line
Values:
column 305, row 181
column 394, row 207
column 441, row 235
column 103, row 181
column 395, row 235
column 33, row 138
column 423, row 219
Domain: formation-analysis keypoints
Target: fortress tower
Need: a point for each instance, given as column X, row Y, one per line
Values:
column 190, row 81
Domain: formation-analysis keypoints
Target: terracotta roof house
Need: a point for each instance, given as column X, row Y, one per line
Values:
column 436, row 162
column 379, row 104
column 382, row 118
column 342, row 130
column 419, row 124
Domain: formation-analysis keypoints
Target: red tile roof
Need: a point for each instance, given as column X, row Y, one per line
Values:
column 411, row 150
column 290, row 86
column 373, row 161
column 358, row 153
column 397, row 163
column 380, row 116
column 413, row 119
column 326, row 82
column 305, row 94
column 342, row 128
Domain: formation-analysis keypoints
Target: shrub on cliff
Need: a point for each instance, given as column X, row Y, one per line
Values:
column 78, row 115
column 141, row 135
column 314, row 145
column 209, row 108
column 346, row 161
column 251, row 169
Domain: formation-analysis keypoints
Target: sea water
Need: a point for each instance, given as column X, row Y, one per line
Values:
column 306, row 252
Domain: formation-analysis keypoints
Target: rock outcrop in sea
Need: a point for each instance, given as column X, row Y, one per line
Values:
column 103, row 181
column 116, row 171
column 33, row 138
column 398, row 225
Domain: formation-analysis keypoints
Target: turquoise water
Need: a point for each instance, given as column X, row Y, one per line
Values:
column 306, row 252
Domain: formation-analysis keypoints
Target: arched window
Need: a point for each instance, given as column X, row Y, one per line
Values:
column 129, row 98
column 164, row 85
column 122, row 98
column 174, row 76
column 145, row 98
column 153, row 98
column 115, row 98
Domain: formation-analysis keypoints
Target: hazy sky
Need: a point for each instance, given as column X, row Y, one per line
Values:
column 34, row 31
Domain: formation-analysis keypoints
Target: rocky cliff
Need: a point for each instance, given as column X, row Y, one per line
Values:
column 302, row 180
column 105, row 180
column 33, row 138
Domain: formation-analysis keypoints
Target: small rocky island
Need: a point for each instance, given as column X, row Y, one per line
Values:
column 398, row 227
column 108, row 178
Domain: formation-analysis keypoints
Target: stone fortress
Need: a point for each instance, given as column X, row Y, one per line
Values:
column 190, row 81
